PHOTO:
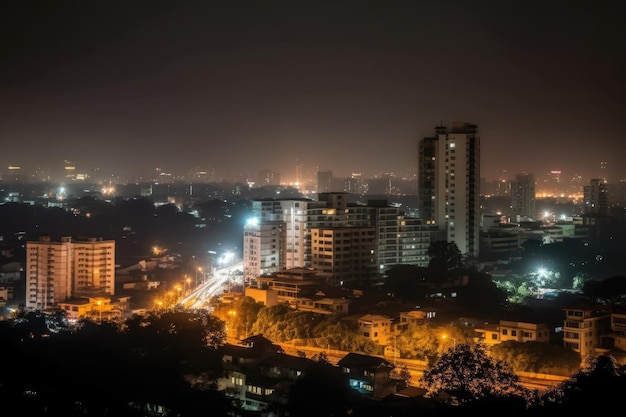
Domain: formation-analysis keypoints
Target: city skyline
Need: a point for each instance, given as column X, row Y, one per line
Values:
column 341, row 86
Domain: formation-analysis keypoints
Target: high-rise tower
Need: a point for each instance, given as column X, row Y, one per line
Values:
column 276, row 237
column 596, row 197
column 449, row 184
column 324, row 181
column 523, row 197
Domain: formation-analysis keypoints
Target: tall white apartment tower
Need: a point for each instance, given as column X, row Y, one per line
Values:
column 275, row 239
column 93, row 270
column 57, row 271
column 263, row 246
column 450, row 191
column 48, row 272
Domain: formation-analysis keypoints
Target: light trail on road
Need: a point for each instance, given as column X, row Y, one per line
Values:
column 213, row 286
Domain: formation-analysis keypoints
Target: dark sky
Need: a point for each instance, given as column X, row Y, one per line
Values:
column 350, row 86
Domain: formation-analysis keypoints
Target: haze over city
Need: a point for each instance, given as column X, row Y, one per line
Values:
column 128, row 87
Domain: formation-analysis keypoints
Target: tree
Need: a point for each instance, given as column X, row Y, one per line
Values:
column 78, row 372
column 469, row 374
column 268, row 320
column 242, row 315
column 536, row 357
column 612, row 289
column 403, row 375
column 444, row 256
column 281, row 324
column 320, row 392
column 516, row 287
column 418, row 342
column 406, row 281
column 481, row 295
column 600, row 381
column 321, row 357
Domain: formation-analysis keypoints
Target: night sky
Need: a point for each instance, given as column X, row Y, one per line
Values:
column 348, row 86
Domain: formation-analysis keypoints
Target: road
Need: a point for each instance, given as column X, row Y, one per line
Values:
column 415, row 367
column 212, row 286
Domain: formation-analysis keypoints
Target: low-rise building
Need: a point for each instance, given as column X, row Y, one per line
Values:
column 375, row 327
column 368, row 375
column 96, row 308
column 584, row 326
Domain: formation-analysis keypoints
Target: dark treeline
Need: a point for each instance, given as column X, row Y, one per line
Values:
column 171, row 362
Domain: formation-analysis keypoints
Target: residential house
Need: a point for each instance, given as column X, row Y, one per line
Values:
column 375, row 327
column 258, row 375
column 368, row 375
column 96, row 308
column 414, row 317
column 518, row 331
column 584, row 326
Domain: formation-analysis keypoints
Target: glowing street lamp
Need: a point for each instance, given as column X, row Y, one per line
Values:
column 179, row 289
column 226, row 259
column 445, row 336
column 99, row 302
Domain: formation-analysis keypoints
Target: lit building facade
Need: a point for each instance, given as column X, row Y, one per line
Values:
column 263, row 244
column 324, row 181
column 58, row 271
column 449, row 184
column 523, row 197
column 344, row 254
column 275, row 238
column 584, row 327
column 399, row 239
column 300, row 233
column 596, row 197
column 93, row 267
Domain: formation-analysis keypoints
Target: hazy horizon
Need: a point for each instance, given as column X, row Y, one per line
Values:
column 344, row 86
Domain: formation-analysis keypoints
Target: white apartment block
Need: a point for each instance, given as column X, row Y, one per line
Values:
column 375, row 327
column 400, row 239
column 279, row 237
column 263, row 245
column 345, row 254
column 94, row 267
column 524, row 331
column 517, row 331
column 584, row 327
column 449, row 184
column 617, row 337
column 261, row 251
column 58, row 271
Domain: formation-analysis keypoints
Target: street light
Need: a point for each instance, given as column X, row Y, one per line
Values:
column 99, row 302
column 445, row 336
column 179, row 296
